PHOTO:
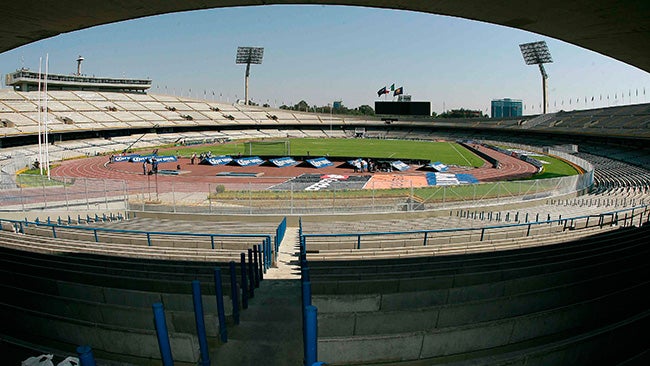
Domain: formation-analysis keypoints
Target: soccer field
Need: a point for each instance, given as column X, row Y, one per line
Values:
column 449, row 153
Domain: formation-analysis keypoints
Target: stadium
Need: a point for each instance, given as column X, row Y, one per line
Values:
column 257, row 240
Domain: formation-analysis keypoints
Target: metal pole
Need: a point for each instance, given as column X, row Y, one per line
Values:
column 44, row 194
column 200, row 323
column 223, row 331
column 234, row 294
column 311, row 335
column 163, row 336
column 251, row 275
column 244, row 282
column 256, row 266
column 86, row 357
column 260, row 261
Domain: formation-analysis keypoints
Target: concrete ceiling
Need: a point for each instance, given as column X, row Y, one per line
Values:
column 616, row 28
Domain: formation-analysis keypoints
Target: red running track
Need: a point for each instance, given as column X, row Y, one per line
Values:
column 197, row 177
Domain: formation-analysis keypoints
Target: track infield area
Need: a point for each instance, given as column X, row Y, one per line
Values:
column 187, row 177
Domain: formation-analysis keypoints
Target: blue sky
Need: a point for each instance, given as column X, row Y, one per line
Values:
column 326, row 53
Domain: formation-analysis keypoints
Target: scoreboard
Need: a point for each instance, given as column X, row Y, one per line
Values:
column 403, row 108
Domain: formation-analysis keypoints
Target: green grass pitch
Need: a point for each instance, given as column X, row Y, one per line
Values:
column 449, row 153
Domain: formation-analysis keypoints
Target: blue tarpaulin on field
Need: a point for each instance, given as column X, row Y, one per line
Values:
column 249, row 161
column 320, row 162
column 399, row 165
column 448, row 179
column 466, row 179
column 438, row 166
column 217, row 160
column 283, row 162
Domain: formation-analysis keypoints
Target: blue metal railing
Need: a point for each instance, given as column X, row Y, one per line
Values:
column 279, row 234
column 567, row 222
column 266, row 239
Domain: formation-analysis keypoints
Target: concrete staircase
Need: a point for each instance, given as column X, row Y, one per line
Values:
column 287, row 266
column 270, row 330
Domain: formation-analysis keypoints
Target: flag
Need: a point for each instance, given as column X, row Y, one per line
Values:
column 399, row 91
column 392, row 87
column 382, row 91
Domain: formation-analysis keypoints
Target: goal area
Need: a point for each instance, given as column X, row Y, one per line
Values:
column 269, row 148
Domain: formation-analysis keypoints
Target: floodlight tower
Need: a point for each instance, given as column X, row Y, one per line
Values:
column 79, row 61
column 248, row 56
column 537, row 53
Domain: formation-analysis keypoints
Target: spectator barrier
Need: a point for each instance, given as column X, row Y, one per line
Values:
column 567, row 223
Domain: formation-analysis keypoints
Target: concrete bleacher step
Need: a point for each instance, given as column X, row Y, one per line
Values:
column 270, row 329
column 287, row 266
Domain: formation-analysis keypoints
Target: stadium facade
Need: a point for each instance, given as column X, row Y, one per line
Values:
column 27, row 80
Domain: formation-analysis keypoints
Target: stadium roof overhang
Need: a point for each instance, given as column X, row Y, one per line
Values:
column 616, row 28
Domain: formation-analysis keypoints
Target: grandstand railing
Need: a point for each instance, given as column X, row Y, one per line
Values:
column 268, row 249
column 615, row 217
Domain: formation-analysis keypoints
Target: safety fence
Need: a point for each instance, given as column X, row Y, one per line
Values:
column 257, row 195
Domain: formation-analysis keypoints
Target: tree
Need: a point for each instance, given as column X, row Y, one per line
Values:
column 366, row 110
column 462, row 113
column 301, row 106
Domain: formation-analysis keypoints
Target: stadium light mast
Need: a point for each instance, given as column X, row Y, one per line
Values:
column 537, row 53
column 248, row 56
column 79, row 61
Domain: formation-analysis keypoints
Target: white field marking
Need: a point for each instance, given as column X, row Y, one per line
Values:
column 461, row 155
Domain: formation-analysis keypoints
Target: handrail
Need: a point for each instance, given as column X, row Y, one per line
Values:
column 559, row 221
column 266, row 237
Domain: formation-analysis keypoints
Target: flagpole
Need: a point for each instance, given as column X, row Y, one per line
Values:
column 40, row 145
column 47, row 148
